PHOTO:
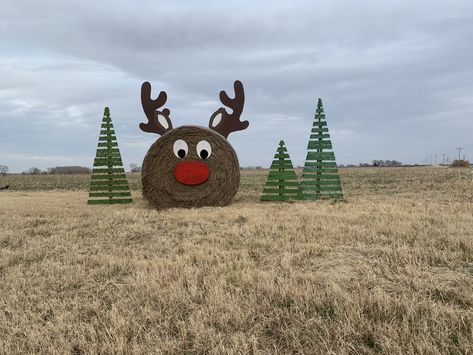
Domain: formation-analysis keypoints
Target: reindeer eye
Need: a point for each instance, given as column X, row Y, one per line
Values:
column 203, row 149
column 180, row 148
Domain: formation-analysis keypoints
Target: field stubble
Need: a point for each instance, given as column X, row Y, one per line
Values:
column 389, row 270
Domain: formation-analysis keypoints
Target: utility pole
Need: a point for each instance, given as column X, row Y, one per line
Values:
column 459, row 149
column 443, row 159
column 435, row 159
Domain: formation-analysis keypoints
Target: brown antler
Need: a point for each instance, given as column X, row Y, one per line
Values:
column 225, row 123
column 158, row 121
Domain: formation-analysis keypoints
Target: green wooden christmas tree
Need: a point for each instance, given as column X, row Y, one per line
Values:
column 109, row 184
column 282, row 183
column 320, row 177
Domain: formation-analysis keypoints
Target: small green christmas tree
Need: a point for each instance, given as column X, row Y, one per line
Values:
column 320, row 177
column 282, row 183
column 109, row 184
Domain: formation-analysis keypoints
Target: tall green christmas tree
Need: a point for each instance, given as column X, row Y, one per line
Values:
column 109, row 184
column 282, row 183
column 320, row 177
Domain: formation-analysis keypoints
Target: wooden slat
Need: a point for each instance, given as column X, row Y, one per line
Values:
column 281, row 155
column 320, row 182
column 322, row 130
column 324, row 196
column 105, row 153
column 282, row 183
column 281, row 164
column 98, row 202
column 121, row 200
column 108, row 176
column 108, row 139
column 321, row 176
column 108, row 183
column 107, row 150
column 107, row 145
column 319, row 136
column 320, row 156
column 282, row 175
column 106, row 162
column 106, row 170
column 321, row 188
column 325, row 164
column 319, row 145
column 280, row 197
column 109, row 188
column 109, row 194
column 315, row 170
column 283, row 191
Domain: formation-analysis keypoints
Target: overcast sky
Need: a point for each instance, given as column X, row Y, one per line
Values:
column 395, row 77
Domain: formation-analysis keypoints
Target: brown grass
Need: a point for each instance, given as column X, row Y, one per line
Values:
column 389, row 271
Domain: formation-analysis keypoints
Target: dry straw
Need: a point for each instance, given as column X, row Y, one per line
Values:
column 162, row 189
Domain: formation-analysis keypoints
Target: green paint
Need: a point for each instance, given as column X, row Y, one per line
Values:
column 320, row 178
column 282, row 183
column 108, row 174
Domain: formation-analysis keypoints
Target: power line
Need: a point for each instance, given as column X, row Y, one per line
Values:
column 459, row 150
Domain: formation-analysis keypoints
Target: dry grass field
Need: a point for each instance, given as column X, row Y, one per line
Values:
column 389, row 270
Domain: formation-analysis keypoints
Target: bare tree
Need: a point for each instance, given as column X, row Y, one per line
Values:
column 3, row 170
column 32, row 171
column 135, row 168
column 460, row 163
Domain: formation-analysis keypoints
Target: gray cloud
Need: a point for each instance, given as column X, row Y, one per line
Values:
column 395, row 76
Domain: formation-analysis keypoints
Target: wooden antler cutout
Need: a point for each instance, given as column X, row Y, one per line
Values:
column 223, row 122
column 158, row 121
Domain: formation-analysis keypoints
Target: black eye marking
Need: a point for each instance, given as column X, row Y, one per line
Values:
column 204, row 154
column 181, row 153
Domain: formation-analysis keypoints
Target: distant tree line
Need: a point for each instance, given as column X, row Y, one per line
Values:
column 69, row 170
column 58, row 170
column 375, row 163
column 3, row 170
column 34, row 171
column 386, row 163
column 135, row 168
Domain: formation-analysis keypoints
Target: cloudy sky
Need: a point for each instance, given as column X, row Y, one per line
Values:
column 395, row 76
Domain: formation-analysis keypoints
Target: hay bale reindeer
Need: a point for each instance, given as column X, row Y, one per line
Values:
column 191, row 166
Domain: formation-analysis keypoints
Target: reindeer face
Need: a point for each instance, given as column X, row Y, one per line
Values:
column 191, row 166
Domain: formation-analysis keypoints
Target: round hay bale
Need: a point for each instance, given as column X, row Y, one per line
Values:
column 174, row 177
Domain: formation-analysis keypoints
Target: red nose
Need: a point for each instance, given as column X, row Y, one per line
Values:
column 191, row 172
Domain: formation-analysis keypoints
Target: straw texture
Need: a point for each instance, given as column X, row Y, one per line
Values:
column 161, row 188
